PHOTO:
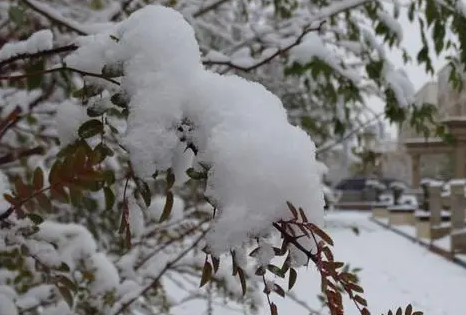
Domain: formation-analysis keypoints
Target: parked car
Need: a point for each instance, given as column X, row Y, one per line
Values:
column 354, row 189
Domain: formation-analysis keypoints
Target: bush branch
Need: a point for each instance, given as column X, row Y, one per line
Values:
column 19, row 154
column 279, row 52
column 85, row 73
column 39, row 54
column 38, row 7
column 167, row 267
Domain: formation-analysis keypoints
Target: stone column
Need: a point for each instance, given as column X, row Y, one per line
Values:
column 458, row 202
column 415, row 165
column 459, row 160
column 435, row 205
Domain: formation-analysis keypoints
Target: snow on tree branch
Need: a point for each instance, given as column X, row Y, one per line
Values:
column 162, row 62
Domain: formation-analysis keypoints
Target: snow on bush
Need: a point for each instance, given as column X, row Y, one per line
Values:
column 373, row 183
column 39, row 41
column 256, row 160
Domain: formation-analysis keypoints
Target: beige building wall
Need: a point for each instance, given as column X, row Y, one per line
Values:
column 450, row 103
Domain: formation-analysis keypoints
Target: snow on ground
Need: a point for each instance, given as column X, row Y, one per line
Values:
column 395, row 272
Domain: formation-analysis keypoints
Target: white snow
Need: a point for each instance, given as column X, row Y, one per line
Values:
column 398, row 81
column 155, row 209
column 70, row 115
column 37, row 42
column 391, row 23
column 376, row 184
column 82, row 28
column 394, row 272
column 7, row 306
column 235, row 125
column 312, row 45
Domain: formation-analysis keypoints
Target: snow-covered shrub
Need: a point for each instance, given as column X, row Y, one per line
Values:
column 398, row 188
column 377, row 186
column 169, row 154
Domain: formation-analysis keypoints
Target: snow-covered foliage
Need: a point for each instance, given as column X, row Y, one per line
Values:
column 123, row 116
column 161, row 61
column 376, row 184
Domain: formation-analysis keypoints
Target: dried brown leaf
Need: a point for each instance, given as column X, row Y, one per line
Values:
column 206, row 274
column 292, row 209
column 38, row 179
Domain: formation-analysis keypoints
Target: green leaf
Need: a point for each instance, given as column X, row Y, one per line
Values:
column 194, row 174
column 113, row 71
column 101, row 151
column 109, row 177
column 292, row 278
column 37, row 219
column 96, row 110
column 206, row 274
column 66, row 294
column 260, row 271
column 91, row 128
column 24, row 250
column 16, row 15
column 167, row 209
column 120, row 99
column 67, row 283
column 411, row 9
column 144, row 190
column 216, row 263
column 275, row 270
column 242, row 280
column 35, row 75
column 109, row 198
column 64, row 267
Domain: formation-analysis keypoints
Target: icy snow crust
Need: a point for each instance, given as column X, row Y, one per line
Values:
column 257, row 159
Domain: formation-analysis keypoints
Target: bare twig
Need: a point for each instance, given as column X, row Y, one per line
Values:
column 209, row 7
column 16, row 155
column 52, row 18
column 168, row 266
column 10, row 119
column 40, row 54
column 329, row 146
column 293, row 240
column 279, row 52
column 23, row 76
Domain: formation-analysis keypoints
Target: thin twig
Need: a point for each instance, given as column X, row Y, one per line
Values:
column 16, row 155
column 43, row 53
column 208, row 8
column 167, row 267
column 52, row 18
column 90, row 74
column 279, row 52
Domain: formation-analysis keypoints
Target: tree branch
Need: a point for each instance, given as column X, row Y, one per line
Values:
column 9, row 120
column 16, row 155
column 279, row 52
column 209, row 7
column 23, row 76
column 329, row 146
column 167, row 267
column 39, row 8
column 43, row 53
column 293, row 240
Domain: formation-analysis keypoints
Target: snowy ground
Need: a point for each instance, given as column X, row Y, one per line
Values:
column 395, row 272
